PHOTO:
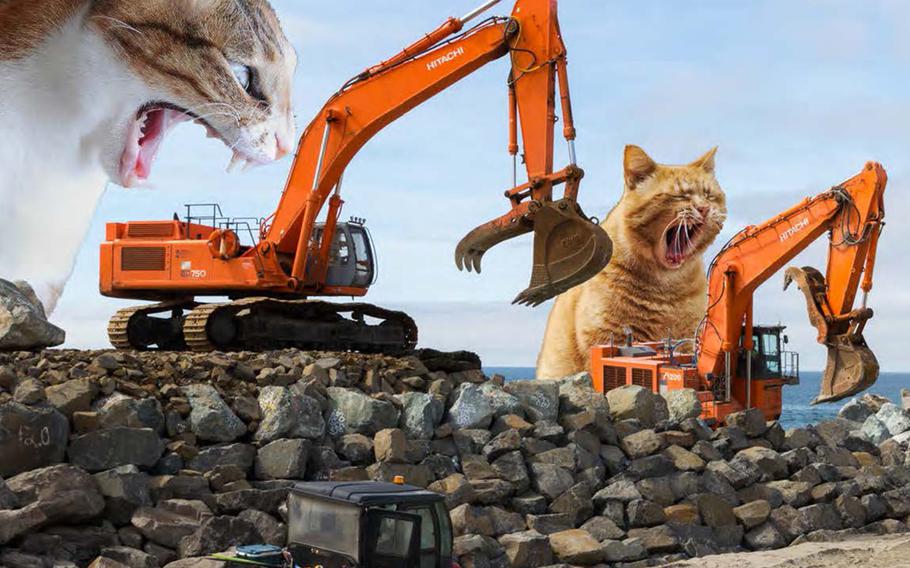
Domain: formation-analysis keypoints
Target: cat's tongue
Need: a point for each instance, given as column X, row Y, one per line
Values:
column 145, row 137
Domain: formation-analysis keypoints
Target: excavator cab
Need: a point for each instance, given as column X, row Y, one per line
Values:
column 769, row 358
column 368, row 524
column 352, row 258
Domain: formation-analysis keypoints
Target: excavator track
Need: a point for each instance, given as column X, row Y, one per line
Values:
column 258, row 324
column 126, row 331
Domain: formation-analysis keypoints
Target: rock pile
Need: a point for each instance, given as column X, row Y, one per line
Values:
column 141, row 459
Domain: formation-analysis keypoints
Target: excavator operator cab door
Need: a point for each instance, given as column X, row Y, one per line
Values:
column 766, row 353
column 352, row 259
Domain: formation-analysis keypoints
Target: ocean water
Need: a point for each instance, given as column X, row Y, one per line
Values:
column 797, row 410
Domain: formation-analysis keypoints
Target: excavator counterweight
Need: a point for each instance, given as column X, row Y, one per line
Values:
column 303, row 250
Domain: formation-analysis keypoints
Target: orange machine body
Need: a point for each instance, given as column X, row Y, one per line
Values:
column 290, row 253
column 728, row 344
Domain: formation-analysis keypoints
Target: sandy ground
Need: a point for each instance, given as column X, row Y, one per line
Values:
column 882, row 551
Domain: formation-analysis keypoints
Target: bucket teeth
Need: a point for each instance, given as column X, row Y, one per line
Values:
column 568, row 248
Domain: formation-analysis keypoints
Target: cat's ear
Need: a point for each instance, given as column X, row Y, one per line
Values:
column 637, row 165
column 706, row 162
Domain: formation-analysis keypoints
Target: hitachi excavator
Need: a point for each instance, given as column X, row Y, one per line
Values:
column 297, row 254
column 737, row 365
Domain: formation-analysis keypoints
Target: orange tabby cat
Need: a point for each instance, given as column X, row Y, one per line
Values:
column 655, row 283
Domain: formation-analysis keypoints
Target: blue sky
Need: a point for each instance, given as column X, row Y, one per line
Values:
column 797, row 95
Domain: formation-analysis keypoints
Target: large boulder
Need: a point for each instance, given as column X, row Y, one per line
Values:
column 58, row 494
column 121, row 410
column 420, row 415
column 351, row 411
column 471, row 408
column 113, row 447
column 30, row 437
column 217, row 534
column 683, row 404
column 211, row 419
column 283, row 459
column 171, row 521
column 634, row 402
column 288, row 414
column 23, row 323
column 895, row 418
column 540, row 399
column 576, row 546
column 72, row 396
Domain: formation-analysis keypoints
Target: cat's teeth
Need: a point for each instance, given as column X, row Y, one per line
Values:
column 236, row 159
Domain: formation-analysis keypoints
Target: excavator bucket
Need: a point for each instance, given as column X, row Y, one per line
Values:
column 851, row 367
column 569, row 248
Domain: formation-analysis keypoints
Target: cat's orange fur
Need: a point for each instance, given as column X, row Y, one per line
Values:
column 655, row 284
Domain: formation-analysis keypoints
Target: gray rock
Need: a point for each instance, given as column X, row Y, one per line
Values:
column 641, row 444
column 622, row 490
column 628, row 550
column 765, row 537
column 715, row 511
column 875, row 430
column 644, row 513
column 58, row 494
column 634, row 402
column 107, row 449
column 30, row 437
column 575, row 502
column 237, row 455
column 171, row 521
column 356, row 448
column 270, row 530
column 121, row 410
column 857, row 410
column 540, row 399
column 217, row 534
column 471, row 408
column 503, row 403
column 29, row 391
column 351, row 411
column 550, row 480
column 895, row 418
column 527, row 548
column 420, row 415
column 575, row 546
column 683, row 404
column 288, row 414
column 752, row 422
column 511, row 467
column 72, row 396
column 125, row 489
column 821, row 516
column 210, row 418
column 23, row 323
column 795, row 493
column 283, row 459
column 129, row 557
column 771, row 464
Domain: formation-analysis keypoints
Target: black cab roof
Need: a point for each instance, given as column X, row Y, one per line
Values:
column 367, row 493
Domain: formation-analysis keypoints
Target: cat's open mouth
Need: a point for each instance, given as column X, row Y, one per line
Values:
column 148, row 130
column 679, row 241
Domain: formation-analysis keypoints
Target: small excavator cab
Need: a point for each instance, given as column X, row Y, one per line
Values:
column 352, row 259
column 769, row 359
column 368, row 524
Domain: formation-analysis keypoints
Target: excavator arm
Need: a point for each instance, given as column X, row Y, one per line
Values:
column 568, row 248
column 852, row 214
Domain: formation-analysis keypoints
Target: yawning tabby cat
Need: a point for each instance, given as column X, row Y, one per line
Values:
column 655, row 283
column 90, row 88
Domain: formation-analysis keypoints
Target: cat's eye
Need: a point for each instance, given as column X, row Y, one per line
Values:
column 243, row 74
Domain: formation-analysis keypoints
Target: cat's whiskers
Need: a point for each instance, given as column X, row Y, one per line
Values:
column 118, row 24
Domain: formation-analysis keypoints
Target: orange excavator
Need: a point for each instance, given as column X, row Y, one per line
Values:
column 738, row 365
column 298, row 254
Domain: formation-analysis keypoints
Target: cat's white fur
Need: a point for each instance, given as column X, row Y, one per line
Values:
column 65, row 112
